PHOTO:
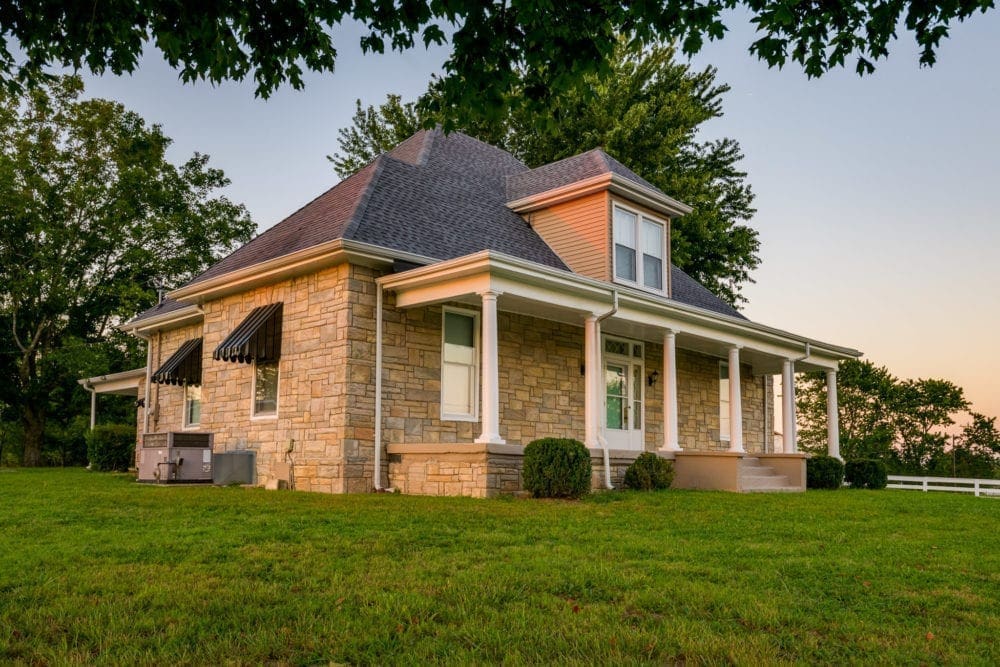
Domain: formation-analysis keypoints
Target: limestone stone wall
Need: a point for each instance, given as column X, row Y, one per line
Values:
column 326, row 389
column 698, row 404
column 541, row 385
column 167, row 401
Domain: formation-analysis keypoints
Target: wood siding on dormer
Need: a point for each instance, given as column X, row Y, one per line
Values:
column 579, row 231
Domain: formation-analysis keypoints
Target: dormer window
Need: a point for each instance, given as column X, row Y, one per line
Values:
column 640, row 249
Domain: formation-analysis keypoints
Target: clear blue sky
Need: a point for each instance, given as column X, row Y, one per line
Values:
column 873, row 194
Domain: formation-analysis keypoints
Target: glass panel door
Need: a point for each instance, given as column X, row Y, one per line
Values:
column 615, row 378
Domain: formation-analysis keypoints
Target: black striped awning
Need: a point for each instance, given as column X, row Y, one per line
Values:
column 257, row 338
column 183, row 366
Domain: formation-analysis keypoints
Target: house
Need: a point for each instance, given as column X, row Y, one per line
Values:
column 419, row 323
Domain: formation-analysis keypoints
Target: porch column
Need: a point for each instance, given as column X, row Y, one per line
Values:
column 832, row 417
column 93, row 408
column 491, row 374
column 591, row 373
column 735, row 402
column 788, row 435
column 671, row 438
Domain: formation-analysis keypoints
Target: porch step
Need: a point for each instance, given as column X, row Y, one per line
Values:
column 758, row 478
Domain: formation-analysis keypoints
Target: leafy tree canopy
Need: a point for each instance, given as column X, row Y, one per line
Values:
column 899, row 421
column 92, row 215
column 496, row 47
column 646, row 112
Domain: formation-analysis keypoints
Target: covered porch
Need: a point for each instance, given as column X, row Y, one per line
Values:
column 633, row 399
column 125, row 383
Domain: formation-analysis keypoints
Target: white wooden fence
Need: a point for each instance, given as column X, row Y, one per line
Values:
column 979, row 487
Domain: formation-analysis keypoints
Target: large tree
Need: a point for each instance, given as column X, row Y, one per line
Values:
column 646, row 111
column 92, row 216
column 495, row 44
column 902, row 422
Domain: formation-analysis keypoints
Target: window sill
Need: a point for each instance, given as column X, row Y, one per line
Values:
column 459, row 418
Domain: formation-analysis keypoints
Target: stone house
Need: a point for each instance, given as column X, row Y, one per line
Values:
column 419, row 323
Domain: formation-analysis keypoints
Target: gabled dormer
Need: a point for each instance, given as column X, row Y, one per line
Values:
column 601, row 218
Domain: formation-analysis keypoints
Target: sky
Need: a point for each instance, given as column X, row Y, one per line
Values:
column 873, row 193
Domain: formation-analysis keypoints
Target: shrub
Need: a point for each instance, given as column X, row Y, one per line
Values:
column 866, row 474
column 649, row 473
column 557, row 468
column 824, row 472
column 111, row 447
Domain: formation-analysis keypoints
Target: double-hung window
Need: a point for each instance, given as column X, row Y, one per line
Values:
column 460, row 365
column 640, row 249
column 192, row 405
column 265, row 389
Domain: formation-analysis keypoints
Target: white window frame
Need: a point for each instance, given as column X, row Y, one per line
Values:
column 476, row 371
column 639, row 254
column 724, row 405
column 253, row 394
column 184, row 420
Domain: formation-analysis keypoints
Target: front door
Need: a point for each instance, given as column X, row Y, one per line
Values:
column 623, row 394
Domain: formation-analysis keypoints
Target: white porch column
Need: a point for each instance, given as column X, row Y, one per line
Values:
column 93, row 408
column 491, row 375
column 671, row 438
column 735, row 402
column 788, row 435
column 832, row 416
column 591, row 373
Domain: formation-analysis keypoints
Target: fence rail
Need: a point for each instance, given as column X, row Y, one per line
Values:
column 979, row 487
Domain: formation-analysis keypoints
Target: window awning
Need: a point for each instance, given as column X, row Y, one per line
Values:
column 257, row 338
column 183, row 366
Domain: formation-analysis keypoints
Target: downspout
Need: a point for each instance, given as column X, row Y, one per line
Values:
column 378, row 387
column 597, row 365
column 149, row 374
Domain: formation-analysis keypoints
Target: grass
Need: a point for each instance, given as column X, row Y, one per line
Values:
column 95, row 568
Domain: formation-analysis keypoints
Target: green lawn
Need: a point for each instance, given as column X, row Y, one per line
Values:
column 96, row 568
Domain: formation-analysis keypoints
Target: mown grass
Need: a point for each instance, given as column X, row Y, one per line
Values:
column 95, row 568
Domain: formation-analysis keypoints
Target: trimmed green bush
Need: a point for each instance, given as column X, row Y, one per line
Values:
column 111, row 447
column 557, row 468
column 866, row 474
column 649, row 473
column 824, row 472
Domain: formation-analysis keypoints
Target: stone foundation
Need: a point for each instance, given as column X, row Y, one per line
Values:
column 479, row 471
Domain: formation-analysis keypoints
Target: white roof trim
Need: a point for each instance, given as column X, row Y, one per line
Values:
column 602, row 293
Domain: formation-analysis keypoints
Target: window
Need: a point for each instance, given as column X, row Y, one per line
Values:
column 640, row 249
column 723, row 400
column 459, row 365
column 192, row 405
column 265, row 389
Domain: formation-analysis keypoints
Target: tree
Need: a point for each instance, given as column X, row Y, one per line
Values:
column 495, row 46
column 901, row 422
column 866, row 406
column 974, row 453
column 92, row 215
column 646, row 112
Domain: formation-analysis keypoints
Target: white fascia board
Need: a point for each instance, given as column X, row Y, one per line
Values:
column 648, row 197
column 291, row 265
column 113, row 383
column 189, row 314
column 612, row 182
column 561, row 194
column 597, row 296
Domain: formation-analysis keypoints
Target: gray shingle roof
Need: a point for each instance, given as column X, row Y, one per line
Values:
column 168, row 305
column 440, row 196
column 687, row 290
column 569, row 170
